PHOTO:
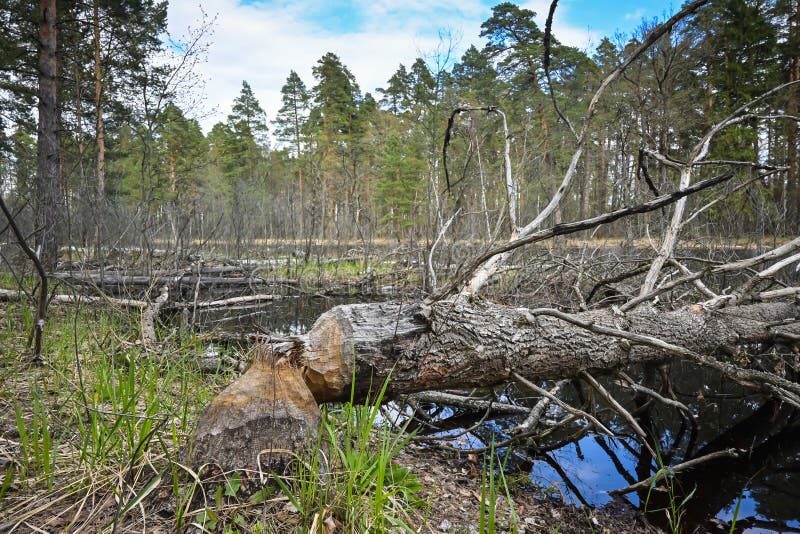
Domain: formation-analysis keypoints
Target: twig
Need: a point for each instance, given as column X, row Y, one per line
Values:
column 41, row 310
column 663, row 473
column 530, row 385
column 619, row 409
column 571, row 228
column 626, row 382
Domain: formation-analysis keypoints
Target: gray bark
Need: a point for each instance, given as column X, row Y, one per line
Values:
column 447, row 345
column 456, row 344
column 48, row 185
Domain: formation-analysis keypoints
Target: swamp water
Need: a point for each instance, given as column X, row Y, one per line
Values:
column 760, row 488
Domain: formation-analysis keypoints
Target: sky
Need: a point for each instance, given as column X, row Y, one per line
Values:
column 260, row 41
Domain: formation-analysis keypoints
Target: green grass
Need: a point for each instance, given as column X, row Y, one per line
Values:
column 100, row 421
column 349, row 477
column 493, row 481
column 317, row 273
column 98, row 437
column 100, row 432
column 676, row 505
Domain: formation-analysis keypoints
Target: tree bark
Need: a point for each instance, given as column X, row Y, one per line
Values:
column 792, row 106
column 48, row 185
column 100, row 201
column 352, row 350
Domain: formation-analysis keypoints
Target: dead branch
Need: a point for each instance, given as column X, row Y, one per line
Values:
column 589, row 379
column 627, row 382
column 470, row 403
column 734, row 266
column 535, row 413
column 667, row 471
column 571, row 409
column 41, row 309
column 569, row 228
column 696, row 154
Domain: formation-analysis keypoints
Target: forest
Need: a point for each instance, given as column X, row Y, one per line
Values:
column 518, row 249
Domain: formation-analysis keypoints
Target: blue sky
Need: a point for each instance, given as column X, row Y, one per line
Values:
column 262, row 40
column 604, row 17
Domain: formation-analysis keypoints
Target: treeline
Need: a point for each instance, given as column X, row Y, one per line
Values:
column 339, row 164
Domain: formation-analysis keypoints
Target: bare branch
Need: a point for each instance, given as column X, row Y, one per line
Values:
column 663, row 473
column 619, row 409
column 492, row 264
column 570, row 228
column 739, row 265
column 445, row 226
column 537, row 411
column 547, row 42
column 41, row 310
column 533, row 387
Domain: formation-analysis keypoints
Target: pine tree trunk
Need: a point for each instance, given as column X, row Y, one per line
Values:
column 100, row 200
column 48, row 185
column 792, row 107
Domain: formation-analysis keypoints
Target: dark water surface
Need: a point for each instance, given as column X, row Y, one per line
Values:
column 764, row 482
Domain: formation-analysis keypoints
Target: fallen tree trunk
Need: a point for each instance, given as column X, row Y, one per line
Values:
column 451, row 345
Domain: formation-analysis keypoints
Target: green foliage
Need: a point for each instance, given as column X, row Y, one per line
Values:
column 336, row 95
column 516, row 43
column 398, row 93
column 182, row 151
column 676, row 504
column 349, row 167
column 291, row 119
column 401, row 170
column 356, row 480
column 491, row 489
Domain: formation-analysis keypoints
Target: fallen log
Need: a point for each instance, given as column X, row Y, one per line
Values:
column 113, row 279
column 353, row 349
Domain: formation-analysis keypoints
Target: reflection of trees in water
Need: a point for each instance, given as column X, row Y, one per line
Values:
column 727, row 416
column 287, row 315
column 777, row 496
column 765, row 438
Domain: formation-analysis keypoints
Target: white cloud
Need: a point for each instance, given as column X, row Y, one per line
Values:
column 636, row 16
column 568, row 34
column 262, row 42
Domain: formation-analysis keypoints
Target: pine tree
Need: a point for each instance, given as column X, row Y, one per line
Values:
column 292, row 116
column 336, row 96
column 290, row 125
column 339, row 125
column 248, row 125
column 397, row 95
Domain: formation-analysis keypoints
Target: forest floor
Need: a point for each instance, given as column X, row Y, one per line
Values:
column 95, row 441
column 452, row 487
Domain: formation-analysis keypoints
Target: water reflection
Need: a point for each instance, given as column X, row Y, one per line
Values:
column 765, row 477
column 286, row 315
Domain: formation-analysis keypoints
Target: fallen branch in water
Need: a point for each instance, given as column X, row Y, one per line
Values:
column 667, row 471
